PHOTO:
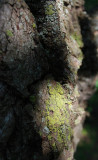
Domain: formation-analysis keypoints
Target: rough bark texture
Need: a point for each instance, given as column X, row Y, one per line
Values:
column 41, row 110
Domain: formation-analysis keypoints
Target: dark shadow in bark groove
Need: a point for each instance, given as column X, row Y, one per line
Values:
column 90, row 62
column 55, row 52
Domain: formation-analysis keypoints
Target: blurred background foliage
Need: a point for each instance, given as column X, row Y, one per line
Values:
column 88, row 146
column 89, row 4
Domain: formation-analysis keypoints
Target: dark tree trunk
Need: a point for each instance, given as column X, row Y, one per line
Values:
column 41, row 110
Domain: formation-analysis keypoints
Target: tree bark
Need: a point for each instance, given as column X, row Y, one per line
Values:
column 41, row 108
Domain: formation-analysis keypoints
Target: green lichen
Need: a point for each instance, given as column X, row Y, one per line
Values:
column 9, row 33
column 53, row 144
column 57, row 117
column 34, row 25
column 80, row 57
column 78, row 39
column 49, row 10
column 40, row 133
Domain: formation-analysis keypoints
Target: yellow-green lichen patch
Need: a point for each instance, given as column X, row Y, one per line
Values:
column 40, row 133
column 54, row 145
column 34, row 25
column 57, row 117
column 49, row 10
column 9, row 33
column 80, row 57
column 52, row 114
column 78, row 39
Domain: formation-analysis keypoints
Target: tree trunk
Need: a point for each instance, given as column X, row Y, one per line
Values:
column 41, row 108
